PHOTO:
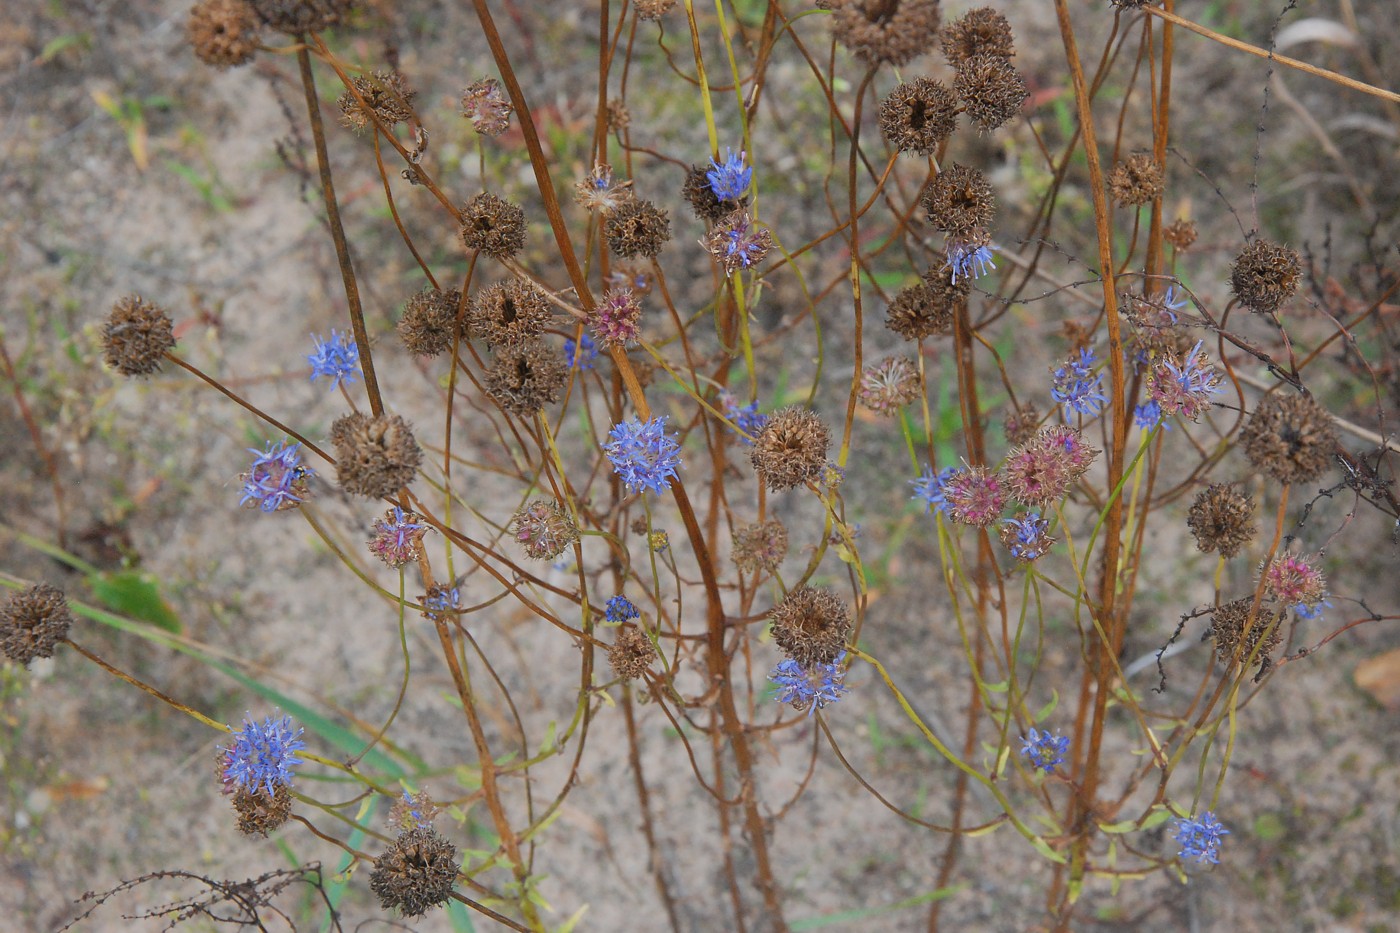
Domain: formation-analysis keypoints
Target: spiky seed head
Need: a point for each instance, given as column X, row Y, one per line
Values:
column 376, row 456
column 136, row 336
column 811, row 625
column 32, row 623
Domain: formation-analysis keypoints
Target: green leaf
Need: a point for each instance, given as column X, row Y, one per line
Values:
column 1158, row 816
column 1048, row 708
column 1126, row 826
column 56, row 45
column 573, row 920
column 136, row 595
column 461, row 920
column 1044, row 849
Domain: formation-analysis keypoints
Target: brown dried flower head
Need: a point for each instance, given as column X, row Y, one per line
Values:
column 926, row 309
column 417, row 872
column 429, row 322
column 637, row 228
column 224, row 33
column 885, row 31
column 889, row 385
column 631, row 653
column 508, row 314
column 32, row 623
column 1290, row 437
column 991, row 90
column 523, row 379
column 136, row 336
column 259, row 814
column 959, row 200
column 791, row 448
column 544, row 528
column 1237, row 636
column 1156, row 327
column 653, row 9
column 1020, row 423
column 760, row 546
column 486, row 105
column 982, row 31
column 600, row 192
column 295, row 17
column 1222, row 519
column 619, row 117
column 1265, row 275
column 703, row 201
column 1139, row 180
column 386, row 94
column 493, row 225
column 811, row 625
column 376, row 456
column 918, row 116
column 1180, row 234
column 737, row 242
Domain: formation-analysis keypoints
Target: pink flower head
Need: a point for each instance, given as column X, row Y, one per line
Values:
column 975, row 496
column 1295, row 581
column 615, row 320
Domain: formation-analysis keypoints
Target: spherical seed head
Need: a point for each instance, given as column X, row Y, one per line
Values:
column 1237, row 636
column 136, row 336
column 1293, row 580
column 738, row 243
column 918, row 116
column 386, row 94
column 1139, row 180
column 976, row 496
column 926, row 309
column 885, row 31
column 652, row 9
column 1222, row 519
column 982, row 31
column 417, row 872
column 631, row 654
column 544, row 529
column 760, row 546
column 1020, row 423
column 959, row 201
column 1265, row 275
column 376, row 456
column 295, row 17
column 486, row 105
column 259, row 813
column 810, row 625
column 1290, row 437
column 889, row 385
column 32, row 623
column 397, row 538
column 991, row 90
column 619, row 117
column 1041, row 470
column 616, row 320
column 493, row 225
column 525, row 378
column 637, row 228
column 508, row 314
column 791, row 448
column 224, row 33
column 701, row 197
column 1180, row 234
column 429, row 322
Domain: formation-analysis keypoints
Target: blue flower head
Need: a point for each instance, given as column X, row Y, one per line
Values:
column 746, row 418
column 620, row 609
column 262, row 754
column 930, row 487
column 1148, row 415
column 277, row 479
column 809, row 688
column 443, row 598
column 582, row 353
column 643, row 454
column 1078, row 387
column 1043, row 750
column 1200, row 839
column 731, row 179
column 968, row 261
column 338, row 358
column 1027, row 537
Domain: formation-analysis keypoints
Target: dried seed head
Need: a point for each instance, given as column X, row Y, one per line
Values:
column 1290, row 437
column 810, row 625
column 295, row 17
column 544, row 528
column 982, row 31
column 600, row 192
column 1139, row 180
column 918, row 116
column 877, row 31
column 136, row 336
column 429, row 322
column 224, row 33
column 32, row 623
column 1180, row 234
column 926, row 309
column 889, row 385
column 631, row 653
column 417, row 872
column 1156, row 327
column 616, row 320
column 1265, row 275
column 653, row 9
column 959, row 201
column 637, row 228
column 702, row 199
column 508, row 314
column 760, row 546
column 991, row 90
column 258, row 813
column 486, row 105
column 619, row 117
column 523, row 379
column 1020, row 424
column 386, row 94
column 1237, row 637
column 791, row 448
column 1222, row 519
column 375, row 456
column 493, row 225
